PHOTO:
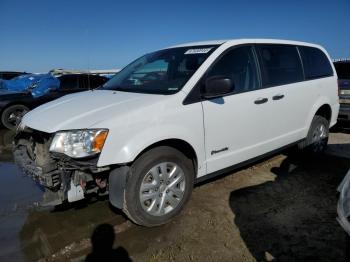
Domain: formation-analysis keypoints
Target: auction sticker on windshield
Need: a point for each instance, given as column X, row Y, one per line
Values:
column 198, row 51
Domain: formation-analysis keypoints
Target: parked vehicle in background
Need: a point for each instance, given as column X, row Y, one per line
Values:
column 178, row 116
column 343, row 71
column 7, row 75
column 23, row 82
column 19, row 97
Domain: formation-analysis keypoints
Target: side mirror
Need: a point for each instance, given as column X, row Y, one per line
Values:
column 217, row 86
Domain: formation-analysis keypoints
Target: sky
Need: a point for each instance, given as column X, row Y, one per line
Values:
column 39, row 35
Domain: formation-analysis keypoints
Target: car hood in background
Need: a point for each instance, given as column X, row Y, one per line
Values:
column 86, row 109
column 8, row 94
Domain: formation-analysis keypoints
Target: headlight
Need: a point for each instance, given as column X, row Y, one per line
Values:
column 79, row 143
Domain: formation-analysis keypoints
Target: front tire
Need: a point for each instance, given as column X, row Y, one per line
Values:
column 317, row 137
column 160, row 183
column 12, row 115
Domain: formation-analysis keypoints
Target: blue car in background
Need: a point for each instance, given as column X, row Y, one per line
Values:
column 23, row 93
column 7, row 75
column 37, row 84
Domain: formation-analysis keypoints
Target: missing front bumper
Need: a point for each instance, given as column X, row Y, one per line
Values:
column 62, row 177
column 47, row 177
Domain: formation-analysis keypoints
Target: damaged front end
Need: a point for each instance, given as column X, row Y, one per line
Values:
column 63, row 177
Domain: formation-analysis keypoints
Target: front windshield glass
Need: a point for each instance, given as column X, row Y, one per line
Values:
column 162, row 72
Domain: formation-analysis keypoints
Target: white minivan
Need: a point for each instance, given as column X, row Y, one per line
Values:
column 178, row 116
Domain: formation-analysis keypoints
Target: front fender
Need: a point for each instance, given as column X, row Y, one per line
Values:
column 123, row 148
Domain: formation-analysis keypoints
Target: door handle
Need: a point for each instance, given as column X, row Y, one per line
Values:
column 278, row 97
column 261, row 101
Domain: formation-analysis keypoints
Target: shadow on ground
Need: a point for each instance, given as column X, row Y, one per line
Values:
column 102, row 240
column 293, row 217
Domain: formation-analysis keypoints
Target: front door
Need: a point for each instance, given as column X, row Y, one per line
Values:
column 235, row 125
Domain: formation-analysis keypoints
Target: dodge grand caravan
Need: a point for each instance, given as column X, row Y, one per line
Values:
column 178, row 116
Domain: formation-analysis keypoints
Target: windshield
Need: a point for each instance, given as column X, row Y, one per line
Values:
column 343, row 70
column 162, row 72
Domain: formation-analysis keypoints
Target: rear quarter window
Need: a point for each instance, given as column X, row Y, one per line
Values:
column 315, row 62
column 280, row 64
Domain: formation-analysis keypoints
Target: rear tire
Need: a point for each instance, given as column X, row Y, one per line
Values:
column 317, row 137
column 12, row 115
column 159, row 184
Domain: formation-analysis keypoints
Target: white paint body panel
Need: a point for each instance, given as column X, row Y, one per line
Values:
column 136, row 121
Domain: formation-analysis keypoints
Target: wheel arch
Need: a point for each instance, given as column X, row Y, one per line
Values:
column 322, row 108
column 118, row 177
column 325, row 111
column 179, row 144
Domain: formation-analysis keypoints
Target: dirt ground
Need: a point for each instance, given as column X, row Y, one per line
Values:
column 280, row 209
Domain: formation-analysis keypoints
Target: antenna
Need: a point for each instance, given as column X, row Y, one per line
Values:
column 88, row 56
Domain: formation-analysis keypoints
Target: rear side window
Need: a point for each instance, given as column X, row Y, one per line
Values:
column 316, row 63
column 280, row 64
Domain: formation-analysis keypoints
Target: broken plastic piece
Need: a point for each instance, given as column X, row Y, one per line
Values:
column 75, row 193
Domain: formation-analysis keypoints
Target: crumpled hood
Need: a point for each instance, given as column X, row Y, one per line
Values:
column 85, row 109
